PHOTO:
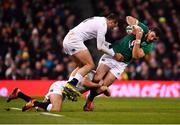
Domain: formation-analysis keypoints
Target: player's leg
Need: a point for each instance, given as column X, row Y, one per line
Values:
column 56, row 103
column 74, row 46
column 109, row 79
column 73, row 73
column 17, row 93
column 101, row 71
column 52, row 105
column 86, row 60
column 116, row 68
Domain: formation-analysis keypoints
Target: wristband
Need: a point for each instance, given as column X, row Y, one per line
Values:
column 137, row 41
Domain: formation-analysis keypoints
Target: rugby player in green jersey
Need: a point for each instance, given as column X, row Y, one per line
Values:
column 135, row 45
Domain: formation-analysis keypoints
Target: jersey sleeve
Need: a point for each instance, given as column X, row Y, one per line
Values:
column 144, row 27
column 148, row 48
column 101, row 43
column 100, row 36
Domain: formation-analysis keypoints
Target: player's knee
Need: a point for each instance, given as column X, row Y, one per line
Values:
column 55, row 109
column 91, row 65
column 97, row 78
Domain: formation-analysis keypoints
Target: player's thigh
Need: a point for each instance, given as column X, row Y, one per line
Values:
column 84, row 57
column 56, row 101
column 73, row 73
column 101, row 71
column 77, row 61
column 109, row 79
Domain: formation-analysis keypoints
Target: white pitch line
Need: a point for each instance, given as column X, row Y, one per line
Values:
column 43, row 113
column 14, row 108
column 51, row 114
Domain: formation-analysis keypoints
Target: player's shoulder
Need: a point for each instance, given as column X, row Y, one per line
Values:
column 99, row 18
column 60, row 82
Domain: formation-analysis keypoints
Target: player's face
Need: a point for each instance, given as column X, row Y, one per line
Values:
column 151, row 36
column 112, row 24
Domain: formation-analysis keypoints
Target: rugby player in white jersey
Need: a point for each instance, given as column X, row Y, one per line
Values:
column 54, row 98
column 138, row 43
column 73, row 44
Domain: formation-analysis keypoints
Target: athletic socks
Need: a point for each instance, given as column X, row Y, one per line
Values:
column 24, row 96
column 49, row 107
column 74, row 81
column 92, row 95
column 77, row 78
column 43, row 105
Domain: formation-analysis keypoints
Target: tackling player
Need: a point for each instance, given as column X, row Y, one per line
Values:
column 54, row 98
column 94, row 27
column 135, row 45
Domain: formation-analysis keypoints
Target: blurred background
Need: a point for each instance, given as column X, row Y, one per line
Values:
column 32, row 32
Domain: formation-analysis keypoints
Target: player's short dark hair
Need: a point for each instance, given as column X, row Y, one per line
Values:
column 113, row 16
column 157, row 31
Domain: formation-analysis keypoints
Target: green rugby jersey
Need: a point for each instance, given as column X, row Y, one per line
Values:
column 125, row 45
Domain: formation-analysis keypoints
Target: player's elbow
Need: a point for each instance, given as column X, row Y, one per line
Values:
column 99, row 48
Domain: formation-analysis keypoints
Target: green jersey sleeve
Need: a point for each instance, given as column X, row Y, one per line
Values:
column 144, row 27
column 148, row 48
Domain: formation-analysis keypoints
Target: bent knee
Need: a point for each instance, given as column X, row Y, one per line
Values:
column 90, row 66
column 97, row 78
column 55, row 109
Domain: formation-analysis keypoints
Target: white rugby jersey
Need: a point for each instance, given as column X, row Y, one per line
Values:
column 90, row 28
column 94, row 27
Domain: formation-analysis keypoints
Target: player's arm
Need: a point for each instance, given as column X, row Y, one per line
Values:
column 135, row 23
column 138, row 52
column 102, row 45
column 87, row 83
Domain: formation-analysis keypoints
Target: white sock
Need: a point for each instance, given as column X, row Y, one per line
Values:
column 79, row 77
column 70, row 78
column 49, row 107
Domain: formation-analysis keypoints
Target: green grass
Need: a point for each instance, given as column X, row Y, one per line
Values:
column 107, row 110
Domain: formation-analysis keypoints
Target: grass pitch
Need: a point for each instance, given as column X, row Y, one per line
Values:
column 107, row 110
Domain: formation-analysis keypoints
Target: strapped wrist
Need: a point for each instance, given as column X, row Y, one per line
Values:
column 138, row 41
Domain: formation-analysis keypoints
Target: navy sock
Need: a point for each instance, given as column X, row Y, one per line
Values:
column 74, row 81
column 92, row 95
column 41, row 104
column 24, row 96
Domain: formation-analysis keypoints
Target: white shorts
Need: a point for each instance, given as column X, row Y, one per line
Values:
column 56, row 88
column 116, row 68
column 73, row 43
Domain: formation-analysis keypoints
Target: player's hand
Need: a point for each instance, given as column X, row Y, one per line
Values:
column 139, row 34
column 118, row 57
column 101, row 82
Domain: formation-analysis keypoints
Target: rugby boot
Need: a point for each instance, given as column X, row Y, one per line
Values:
column 70, row 95
column 70, row 89
column 29, row 105
column 89, row 106
column 13, row 95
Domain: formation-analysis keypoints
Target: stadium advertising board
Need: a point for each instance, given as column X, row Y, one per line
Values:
column 118, row 89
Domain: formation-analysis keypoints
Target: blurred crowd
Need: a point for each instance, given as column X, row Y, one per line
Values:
column 32, row 31
column 31, row 35
column 164, row 62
